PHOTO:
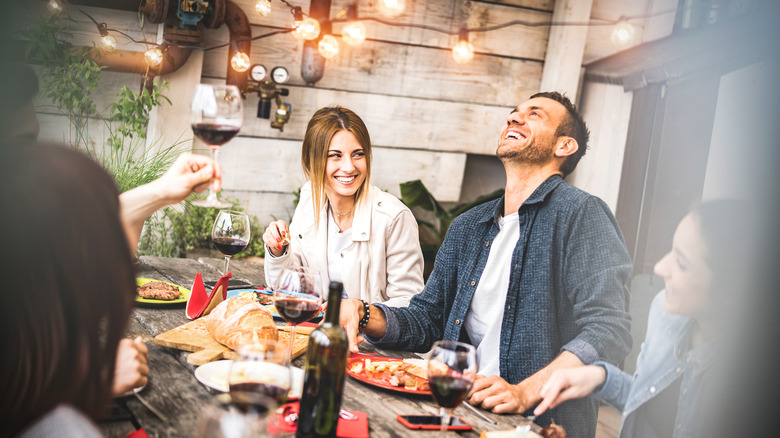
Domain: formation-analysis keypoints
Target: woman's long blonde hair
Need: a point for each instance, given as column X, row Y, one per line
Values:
column 324, row 124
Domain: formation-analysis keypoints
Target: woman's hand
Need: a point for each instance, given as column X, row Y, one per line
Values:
column 131, row 370
column 566, row 384
column 277, row 237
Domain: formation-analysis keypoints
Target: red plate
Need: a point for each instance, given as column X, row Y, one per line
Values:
column 377, row 379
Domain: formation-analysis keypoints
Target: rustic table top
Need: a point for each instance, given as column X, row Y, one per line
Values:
column 173, row 389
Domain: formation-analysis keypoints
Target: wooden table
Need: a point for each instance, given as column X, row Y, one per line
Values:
column 173, row 389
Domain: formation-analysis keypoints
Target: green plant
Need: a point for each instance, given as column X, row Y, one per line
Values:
column 131, row 111
column 415, row 195
column 188, row 227
column 69, row 76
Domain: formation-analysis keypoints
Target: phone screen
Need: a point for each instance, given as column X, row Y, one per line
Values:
column 431, row 420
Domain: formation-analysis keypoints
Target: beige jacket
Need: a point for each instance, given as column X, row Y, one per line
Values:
column 384, row 260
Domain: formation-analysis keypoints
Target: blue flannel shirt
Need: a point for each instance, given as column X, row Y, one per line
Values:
column 566, row 290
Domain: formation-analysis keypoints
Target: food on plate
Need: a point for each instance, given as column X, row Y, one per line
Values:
column 553, row 431
column 408, row 373
column 239, row 321
column 157, row 290
column 264, row 299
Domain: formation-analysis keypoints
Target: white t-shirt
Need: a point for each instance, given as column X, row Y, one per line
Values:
column 483, row 320
column 337, row 241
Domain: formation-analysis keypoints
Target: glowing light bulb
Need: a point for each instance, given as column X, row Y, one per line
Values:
column 306, row 29
column 463, row 52
column 107, row 42
column 623, row 33
column 391, row 8
column 240, row 62
column 263, row 7
column 329, row 46
column 54, row 6
column 354, row 33
column 153, row 56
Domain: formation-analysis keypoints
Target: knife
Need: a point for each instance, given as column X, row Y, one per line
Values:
column 151, row 408
column 476, row 411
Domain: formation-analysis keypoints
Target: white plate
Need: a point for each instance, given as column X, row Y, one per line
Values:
column 215, row 374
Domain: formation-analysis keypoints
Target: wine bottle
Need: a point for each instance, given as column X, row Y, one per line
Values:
column 324, row 372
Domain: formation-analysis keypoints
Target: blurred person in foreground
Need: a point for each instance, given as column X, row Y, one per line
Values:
column 189, row 173
column 535, row 280
column 704, row 273
column 69, row 290
column 345, row 228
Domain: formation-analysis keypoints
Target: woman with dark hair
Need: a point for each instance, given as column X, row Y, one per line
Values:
column 704, row 270
column 345, row 228
column 69, row 288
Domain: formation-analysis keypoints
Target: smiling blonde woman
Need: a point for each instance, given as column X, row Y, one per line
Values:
column 347, row 229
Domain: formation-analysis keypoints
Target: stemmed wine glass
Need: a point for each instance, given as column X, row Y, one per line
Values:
column 263, row 367
column 452, row 368
column 216, row 116
column 297, row 297
column 220, row 418
column 230, row 234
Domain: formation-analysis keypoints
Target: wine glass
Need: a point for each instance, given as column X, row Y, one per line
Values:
column 263, row 367
column 452, row 368
column 297, row 297
column 216, row 116
column 220, row 418
column 230, row 234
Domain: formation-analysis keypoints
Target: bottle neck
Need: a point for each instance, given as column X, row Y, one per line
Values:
column 334, row 303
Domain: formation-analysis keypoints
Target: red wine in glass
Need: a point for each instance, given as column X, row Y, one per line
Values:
column 230, row 246
column 296, row 311
column 214, row 134
column 239, row 392
column 449, row 391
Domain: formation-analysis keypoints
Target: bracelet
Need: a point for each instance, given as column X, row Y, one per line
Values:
column 366, row 314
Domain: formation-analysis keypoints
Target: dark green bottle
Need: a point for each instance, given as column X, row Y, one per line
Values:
column 326, row 365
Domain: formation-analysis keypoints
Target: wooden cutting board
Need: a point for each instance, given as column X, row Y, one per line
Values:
column 194, row 337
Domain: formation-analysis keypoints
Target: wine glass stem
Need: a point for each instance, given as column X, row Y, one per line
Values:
column 227, row 265
column 445, row 419
column 212, row 196
column 292, row 341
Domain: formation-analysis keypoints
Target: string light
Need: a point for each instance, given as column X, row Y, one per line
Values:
column 263, row 7
column 354, row 33
column 463, row 51
column 307, row 29
column 329, row 46
column 391, row 8
column 108, row 42
column 54, row 6
column 623, row 32
column 240, row 62
column 153, row 56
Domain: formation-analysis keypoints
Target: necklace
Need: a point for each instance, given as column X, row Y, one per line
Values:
column 342, row 214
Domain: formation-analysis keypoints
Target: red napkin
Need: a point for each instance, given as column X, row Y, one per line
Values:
column 346, row 428
column 140, row 433
column 200, row 303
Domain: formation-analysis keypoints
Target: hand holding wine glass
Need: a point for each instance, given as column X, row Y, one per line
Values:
column 297, row 297
column 231, row 234
column 452, row 368
column 216, row 116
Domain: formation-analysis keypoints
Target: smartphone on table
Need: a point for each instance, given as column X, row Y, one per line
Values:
column 432, row 422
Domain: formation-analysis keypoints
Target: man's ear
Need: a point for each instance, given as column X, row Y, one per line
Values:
column 566, row 146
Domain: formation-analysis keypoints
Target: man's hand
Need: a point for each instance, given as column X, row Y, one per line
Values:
column 189, row 173
column 498, row 395
column 350, row 315
column 131, row 370
column 569, row 383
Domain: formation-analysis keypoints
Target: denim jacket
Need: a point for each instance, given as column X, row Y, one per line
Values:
column 565, row 290
column 665, row 357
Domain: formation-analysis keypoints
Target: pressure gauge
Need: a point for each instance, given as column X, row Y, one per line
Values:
column 258, row 73
column 280, row 75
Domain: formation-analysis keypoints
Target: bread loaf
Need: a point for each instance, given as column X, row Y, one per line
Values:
column 238, row 321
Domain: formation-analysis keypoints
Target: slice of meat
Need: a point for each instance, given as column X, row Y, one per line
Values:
column 157, row 290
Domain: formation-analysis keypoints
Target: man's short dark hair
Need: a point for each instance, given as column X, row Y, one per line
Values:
column 18, row 86
column 572, row 126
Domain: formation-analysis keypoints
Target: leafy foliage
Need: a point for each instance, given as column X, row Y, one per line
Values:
column 131, row 112
column 416, row 196
column 69, row 76
column 188, row 227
